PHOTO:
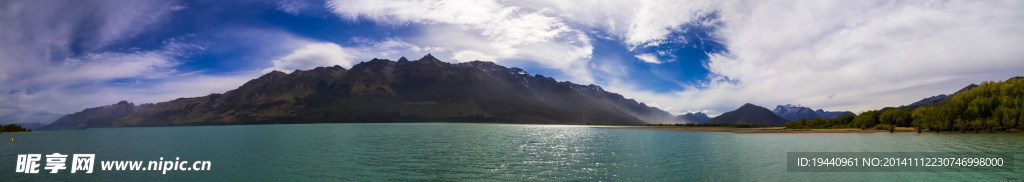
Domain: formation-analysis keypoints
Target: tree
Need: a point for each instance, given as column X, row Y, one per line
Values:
column 991, row 124
column 866, row 119
column 962, row 125
column 894, row 117
column 816, row 123
column 846, row 120
column 799, row 124
column 948, row 116
column 13, row 128
column 977, row 124
column 992, row 105
column 922, row 118
column 1008, row 117
column 1020, row 120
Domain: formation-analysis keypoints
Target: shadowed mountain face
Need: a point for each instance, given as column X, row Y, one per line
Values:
column 796, row 112
column 95, row 117
column 749, row 114
column 426, row 90
column 696, row 118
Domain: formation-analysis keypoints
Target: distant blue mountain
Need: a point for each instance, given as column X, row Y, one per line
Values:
column 696, row 118
column 797, row 112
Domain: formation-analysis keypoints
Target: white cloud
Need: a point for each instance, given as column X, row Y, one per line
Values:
column 638, row 23
column 489, row 30
column 50, row 47
column 391, row 48
column 184, row 86
column 851, row 55
column 656, row 19
column 840, row 55
column 465, row 56
column 43, row 105
column 870, row 55
column 312, row 55
column 837, row 55
column 38, row 35
column 471, row 13
column 88, row 81
column 649, row 58
column 109, row 65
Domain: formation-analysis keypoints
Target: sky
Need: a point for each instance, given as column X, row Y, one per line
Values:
column 61, row 56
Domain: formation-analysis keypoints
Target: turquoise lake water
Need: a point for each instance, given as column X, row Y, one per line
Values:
column 483, row 152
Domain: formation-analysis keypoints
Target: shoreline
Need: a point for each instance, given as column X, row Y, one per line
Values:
column 776, row 129
column 763, row 130
column 16, row 132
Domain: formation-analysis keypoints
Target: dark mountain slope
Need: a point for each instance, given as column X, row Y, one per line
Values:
column 426, row 90
column 95, row 117
column 749, row 114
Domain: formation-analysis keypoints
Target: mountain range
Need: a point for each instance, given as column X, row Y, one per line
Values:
column 797, row 112
column 424, row 90
column 938, row 100
column 95, row 117
column 381, row 90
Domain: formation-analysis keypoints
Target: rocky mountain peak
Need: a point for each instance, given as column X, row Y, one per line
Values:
column 518, row 71
column 486, row 66
column 274, row 74
column 429, row 58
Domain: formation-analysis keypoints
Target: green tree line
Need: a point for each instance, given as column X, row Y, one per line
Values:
column 992, row 106
column 12, row 128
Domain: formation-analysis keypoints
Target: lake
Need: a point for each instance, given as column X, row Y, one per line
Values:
column 490, row 152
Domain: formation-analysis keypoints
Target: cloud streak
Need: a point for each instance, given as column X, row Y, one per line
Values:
column 648, row 58
column 48, row 47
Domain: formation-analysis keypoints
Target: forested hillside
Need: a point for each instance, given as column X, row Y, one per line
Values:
column 991, row 106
